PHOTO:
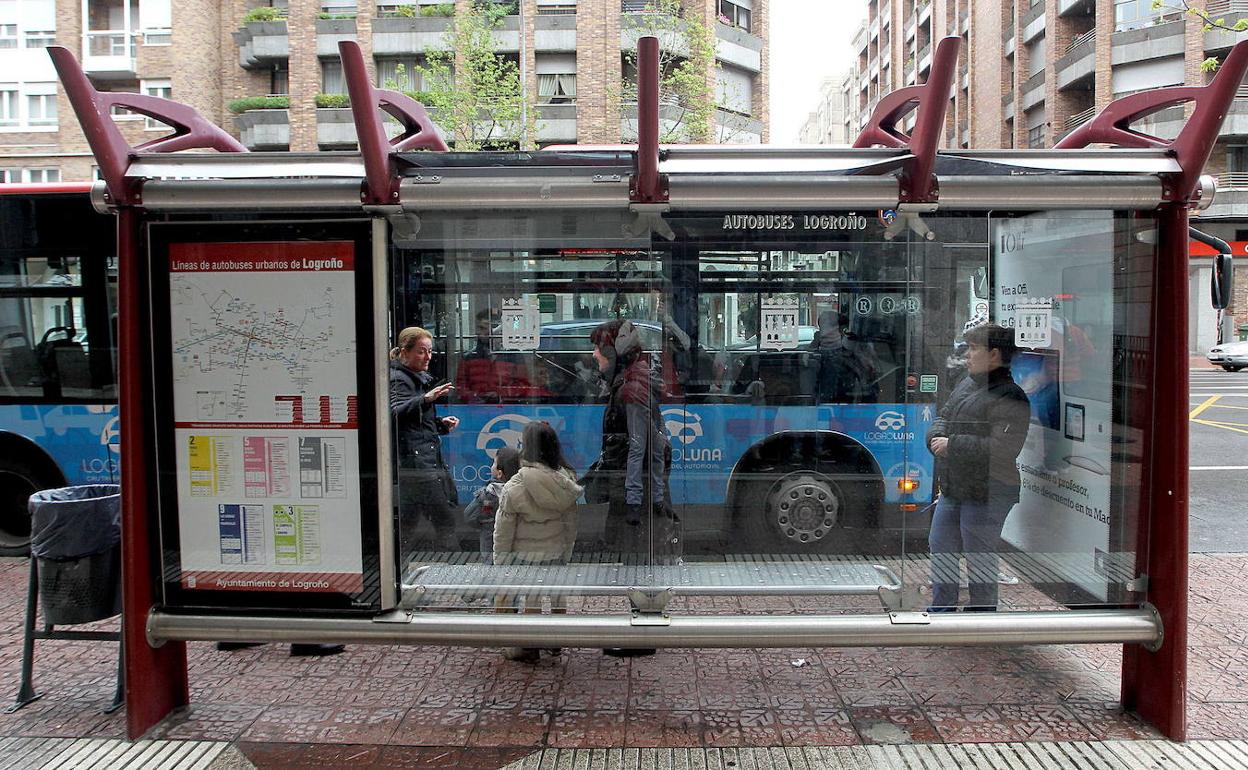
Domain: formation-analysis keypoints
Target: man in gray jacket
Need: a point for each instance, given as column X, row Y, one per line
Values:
column 976, row 440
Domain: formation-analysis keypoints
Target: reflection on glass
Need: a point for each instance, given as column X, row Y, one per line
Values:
column 764, row 395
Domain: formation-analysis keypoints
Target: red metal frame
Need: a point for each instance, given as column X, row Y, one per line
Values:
column 419, row 133
column 918, row 185
column 647, row 185
column 190, row 129
column 1192, row 146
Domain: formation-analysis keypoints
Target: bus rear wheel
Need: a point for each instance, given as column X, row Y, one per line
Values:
column 802, row 511
column 18, row 481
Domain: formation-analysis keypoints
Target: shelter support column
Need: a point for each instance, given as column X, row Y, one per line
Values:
column 1154, row 684
column 155, row 678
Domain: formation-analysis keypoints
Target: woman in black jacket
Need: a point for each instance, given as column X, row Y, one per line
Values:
column 424, row 482
column 976, row 439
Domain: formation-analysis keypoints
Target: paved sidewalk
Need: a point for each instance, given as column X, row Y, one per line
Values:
column 465, row 708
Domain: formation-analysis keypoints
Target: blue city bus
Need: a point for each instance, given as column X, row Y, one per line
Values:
column 747, row 316
column 58, row 386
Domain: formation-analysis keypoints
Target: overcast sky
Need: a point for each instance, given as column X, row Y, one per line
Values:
column 810, row 39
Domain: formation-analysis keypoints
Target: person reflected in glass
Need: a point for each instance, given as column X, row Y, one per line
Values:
column 536, row 522
column 425, row 484
column 676, row 357
column 845, row 375
column 976, row 439
column 634, row 444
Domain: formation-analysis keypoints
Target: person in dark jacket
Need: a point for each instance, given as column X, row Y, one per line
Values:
column 424, row 482
column 976, row 440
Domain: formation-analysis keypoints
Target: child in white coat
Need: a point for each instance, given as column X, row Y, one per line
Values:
column 537, row 518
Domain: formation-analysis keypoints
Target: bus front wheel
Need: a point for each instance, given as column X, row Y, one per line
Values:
column 18, row 481
column 803, row 510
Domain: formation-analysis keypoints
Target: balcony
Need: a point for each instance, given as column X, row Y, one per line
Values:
column 1032, row 23
column 1162, row 41
column 925, row 59
column 911, row 28
column 738, row 48
column 329, row 32
column 556, row 123
column 1007, row 106
column 964, row 23
column 1032, row 91
column 1217, row 40
column 1236, row 123
column 860, row 40
column 265, row 129
column 1075, row 7
column 1078, row 65
column 261, row 43
column 1231, row 200
column 335, row 128
column 554, row 34
column 109, row 53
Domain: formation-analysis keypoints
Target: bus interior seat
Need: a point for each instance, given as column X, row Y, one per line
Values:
column 19, row 367
column 64, row 359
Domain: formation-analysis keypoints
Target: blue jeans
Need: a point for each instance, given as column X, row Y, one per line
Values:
column 646, row 443
column 961, row 528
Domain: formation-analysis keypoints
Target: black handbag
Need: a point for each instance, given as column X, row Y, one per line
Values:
column 597, row 483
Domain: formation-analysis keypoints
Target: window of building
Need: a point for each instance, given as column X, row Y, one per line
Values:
column 162, row 89
column 556, row 78
column 556, row 89
column 41, row 109
column 556, row 7
column 8, row 36
column 1035, row 137
column 734, row 90
column 9, row 114
column 40, row 38
column 735, row 13
column 400, row 74
column 41, row 175
column 332, row 79
column 279, row 79
column 1133, row 14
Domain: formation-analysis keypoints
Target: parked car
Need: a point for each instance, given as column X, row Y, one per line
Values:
column 1231, row 356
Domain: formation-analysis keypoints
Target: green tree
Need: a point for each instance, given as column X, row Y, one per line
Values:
column 477, row 94
column 687, row 70
column 1211, row 23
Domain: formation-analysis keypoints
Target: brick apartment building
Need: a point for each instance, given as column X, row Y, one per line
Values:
column 208, row 54
column 1031, row 71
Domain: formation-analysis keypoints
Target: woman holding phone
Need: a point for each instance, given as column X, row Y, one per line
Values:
column 425, row 485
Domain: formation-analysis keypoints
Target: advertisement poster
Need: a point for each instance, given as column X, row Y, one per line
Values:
column 1054, row 276
column 266, row 416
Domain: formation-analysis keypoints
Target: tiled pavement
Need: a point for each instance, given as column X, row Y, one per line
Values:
column 467, row 708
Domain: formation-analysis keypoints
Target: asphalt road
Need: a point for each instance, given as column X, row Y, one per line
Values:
column 1219, row 461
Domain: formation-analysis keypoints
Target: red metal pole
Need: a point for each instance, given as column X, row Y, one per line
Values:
column 155, row 679
column 649, row 187
column 1154, row 684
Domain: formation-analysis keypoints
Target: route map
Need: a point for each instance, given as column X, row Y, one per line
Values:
column 241, row 340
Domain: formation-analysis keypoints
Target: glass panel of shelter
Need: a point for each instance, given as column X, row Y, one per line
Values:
column 782, row 384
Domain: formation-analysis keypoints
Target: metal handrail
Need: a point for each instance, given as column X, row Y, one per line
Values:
column 1079, row 118
column 1233, row 180
column 1216, row 8
column 1084, row 38
column 905, row 629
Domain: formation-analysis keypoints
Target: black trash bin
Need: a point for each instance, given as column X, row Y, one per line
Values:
column 75, row 533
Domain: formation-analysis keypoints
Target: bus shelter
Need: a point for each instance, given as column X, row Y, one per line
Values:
column 749, row 355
